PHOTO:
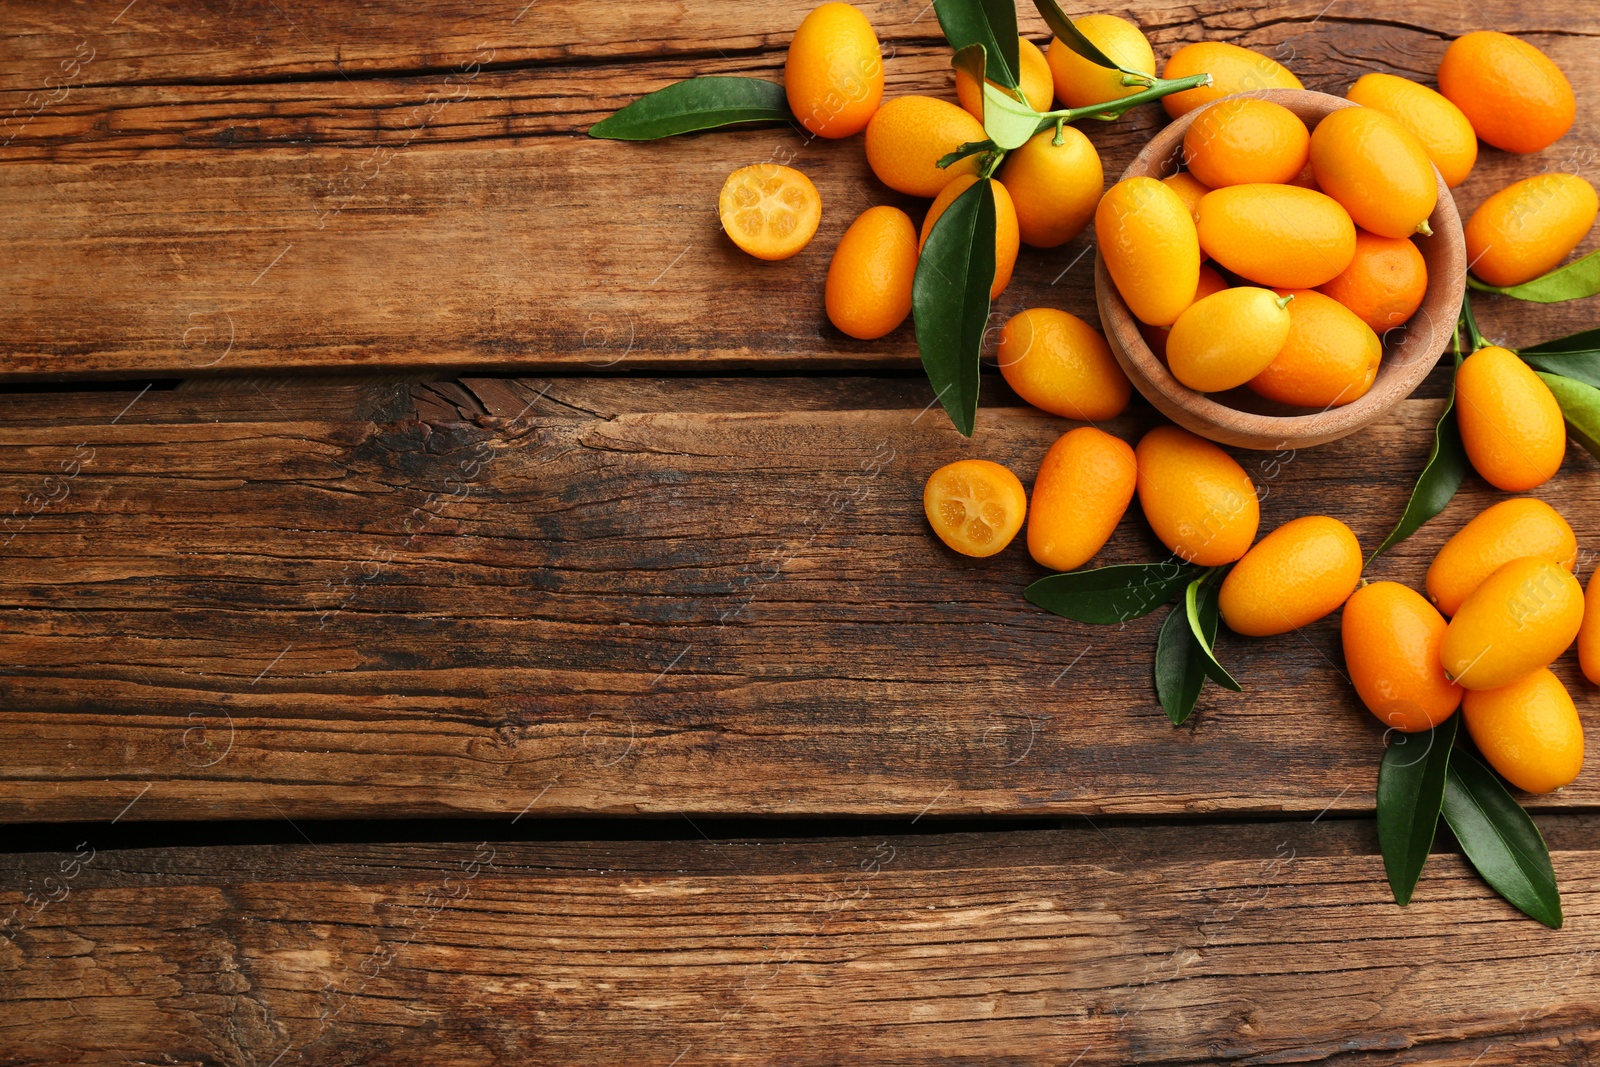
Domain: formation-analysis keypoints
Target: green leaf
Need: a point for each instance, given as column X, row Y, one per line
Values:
column 950, row 300
column 1410, row 793
column 1179, row 669
column 1008, row 122
column 1575, row 281
column 1580, row 406
column 990, row 23
column 1200, row 605
column 1072, row 37
column 1586, row 341
column 1579, row 366
column 1440, row 478
column 1182, row 662
column 696, row 104
column 1111, row 595
column 1499, row 839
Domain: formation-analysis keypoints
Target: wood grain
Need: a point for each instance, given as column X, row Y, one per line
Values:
column 1271, row 943
column 225, row 191
column 625, row 596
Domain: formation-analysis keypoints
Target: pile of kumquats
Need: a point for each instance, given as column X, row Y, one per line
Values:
column 1274, row 260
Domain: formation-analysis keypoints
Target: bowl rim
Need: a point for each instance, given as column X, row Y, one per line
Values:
column 1232, row 425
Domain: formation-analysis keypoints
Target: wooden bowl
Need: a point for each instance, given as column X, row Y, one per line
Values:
column 1239, row 417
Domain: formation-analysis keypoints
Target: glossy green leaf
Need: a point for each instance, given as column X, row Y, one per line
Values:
column 1576, row 356
column 950, row 300
column 1499, row 838
column 1579, row 366
column 1183, row 660
column 1008, row 122
column 1200, row 605
column 1071, row 36
column 990, row 23
column 1580, row 406
column 1440, row 478
column 1575, row 281
column 1111, row 595
column 1180, row 667
column 1584, row 341
column 696, row 104
column 1410, row 794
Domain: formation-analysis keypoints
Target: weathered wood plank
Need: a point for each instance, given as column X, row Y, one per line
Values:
column 236, row 203
column 155, row 42
column 1248, row 944
column 623, row 596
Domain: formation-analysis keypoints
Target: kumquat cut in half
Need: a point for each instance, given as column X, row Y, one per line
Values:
column 770, row 211
column 975, row 506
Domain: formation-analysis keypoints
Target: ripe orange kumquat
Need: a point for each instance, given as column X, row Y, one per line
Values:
column 1189, row 189
column 1080, row 83
column 1084, row 486
column 1279, row 236
column 1306, row 179
column 1528, row 731
column 1376, row 170
column 1055, row 188
column 1329, row 359
column 1510, row 422
column 1147, row 240
column 868, row 292
column 1384, row 284
column 1242, row 140
column 1513, row 94
column 910, row 134
column 1232, row 69
column 1228, row 338
column 770, row 211
column 1527, row 228
column 1060, row 364
column 975, row 506
column 1511, row 529
column 1298, row 573
column 1520, row 618
column 1391, row 639
column 1439, row 125
column 833, row 75
column 1200, row 503
column 1589, row 632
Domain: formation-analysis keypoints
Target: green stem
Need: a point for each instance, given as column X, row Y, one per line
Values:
column 992, row 162
column 1472, row 323
column 1108, row 109
column 1113, row 108
column 967, row 148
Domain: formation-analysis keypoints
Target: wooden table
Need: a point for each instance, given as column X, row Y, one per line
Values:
column 458, row 609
